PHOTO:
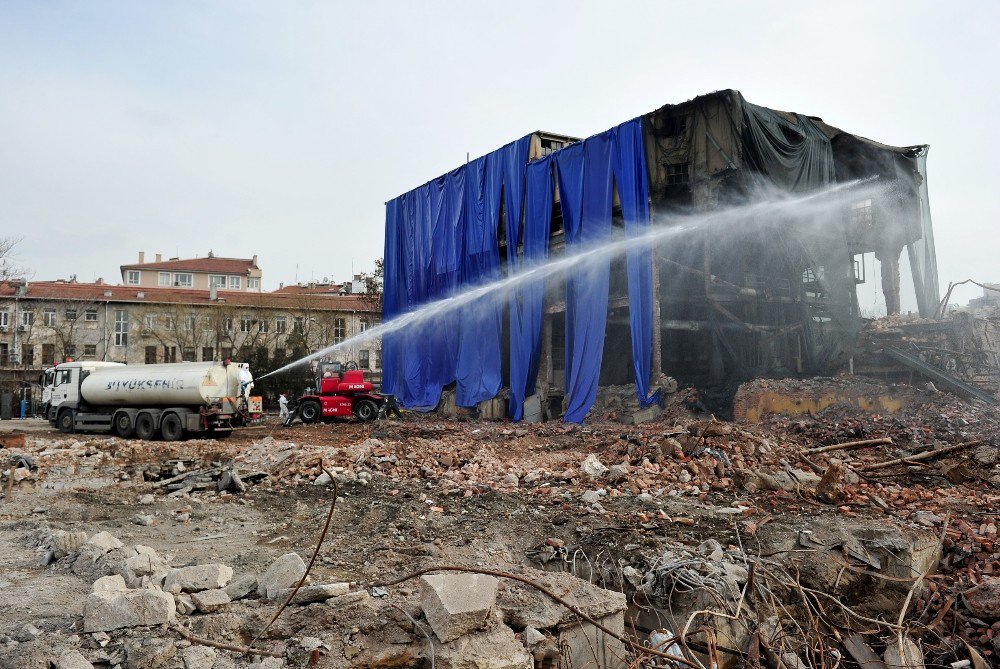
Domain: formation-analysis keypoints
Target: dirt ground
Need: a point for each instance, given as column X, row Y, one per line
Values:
column 605, row 503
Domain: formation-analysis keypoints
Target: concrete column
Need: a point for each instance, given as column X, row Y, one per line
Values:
column 889, row 261
column 656, row 366
column 545, row 358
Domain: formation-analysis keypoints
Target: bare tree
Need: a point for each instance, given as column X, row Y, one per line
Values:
column 9, row 267
column 372, row 296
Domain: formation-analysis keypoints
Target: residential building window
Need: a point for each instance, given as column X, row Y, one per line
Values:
column 184, row 280
column 245, row 323
column 90, row 315
column 4, row 319
column 677, row 174
column 121, row 327
column 265, row 325
column 188, row 355
column 339, row 330
column 280, row 324
column 71, row 314
column 163, row 279
column 49, row 317
column 378, row 358
column 299, row 325
column 150, row 355
column 48, row 354
column 235, row 282
column 149, row 322
column 216, row 281
column 190, row 324
column 362, row 325
column 170, row 323
column 207, row 354
column 4, row 354
column 169, row 354
column 253, row 283
column 27, row 355
column 227, row 353
column 70, row 351
column 27, row 318
column 229, row 325
column 90, row 350
column 363, row 359
column 132, row 277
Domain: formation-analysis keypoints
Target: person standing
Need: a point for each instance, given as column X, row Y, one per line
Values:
column 282, row 407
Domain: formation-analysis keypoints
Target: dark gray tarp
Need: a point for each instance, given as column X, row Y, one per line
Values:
column 923, row 258
column 796, row 156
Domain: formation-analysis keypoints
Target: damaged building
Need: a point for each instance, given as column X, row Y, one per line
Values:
column 723, row 298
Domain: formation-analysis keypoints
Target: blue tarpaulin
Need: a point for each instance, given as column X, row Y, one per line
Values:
column 443, row 236
column 439, row 238
column 527, row 300
column 588, row 174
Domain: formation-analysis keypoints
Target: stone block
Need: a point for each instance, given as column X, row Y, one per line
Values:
column 73, row 659
column 497, row 648
column 308, row 594
column 198, row 657
column 241, row 586
column 646, row 415
column 198, row 577
column 456, row 604
column 113, row 583
column 210, row 601
column 62, row 543
column 110, row 610
column 285, row 572
column 149, row 653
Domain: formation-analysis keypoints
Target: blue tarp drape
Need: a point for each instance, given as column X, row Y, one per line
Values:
column 443, row 236
column 527, row 300
column 633, row 193
column 440, row 237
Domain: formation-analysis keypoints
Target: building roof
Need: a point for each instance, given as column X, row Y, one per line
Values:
column 213, row 265
column 315, row 289
column 102, row 292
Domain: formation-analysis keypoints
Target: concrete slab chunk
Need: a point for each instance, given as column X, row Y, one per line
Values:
column 198, row 577
column 241, row 586
column 109, row 610
column 113, row 583
column 73, row 659
column 285, row 572
column 209, row 601
column 496, row 649
column 308, row 594
column 456, row 604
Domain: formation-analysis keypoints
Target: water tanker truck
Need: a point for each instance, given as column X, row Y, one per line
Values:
column 207, row 399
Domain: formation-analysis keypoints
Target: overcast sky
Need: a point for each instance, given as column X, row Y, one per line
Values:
column 281, row 128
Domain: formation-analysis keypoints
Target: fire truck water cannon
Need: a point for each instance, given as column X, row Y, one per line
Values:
column 338, row 393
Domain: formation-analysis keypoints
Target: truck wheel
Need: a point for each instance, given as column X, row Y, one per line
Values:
column 66, row 421
column 365, row 410
column 145, row 427
column 123, row 425
column 310, row 412
column 171, row 427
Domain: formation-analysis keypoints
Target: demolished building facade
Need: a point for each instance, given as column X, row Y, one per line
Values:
column 712, row 305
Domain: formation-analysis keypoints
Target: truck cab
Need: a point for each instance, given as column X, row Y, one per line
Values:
column 61, row 385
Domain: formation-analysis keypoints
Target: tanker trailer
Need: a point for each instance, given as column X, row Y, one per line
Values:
column 207, row 399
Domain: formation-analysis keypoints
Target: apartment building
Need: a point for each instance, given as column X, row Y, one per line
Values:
column 42, row 322
column 230, row 274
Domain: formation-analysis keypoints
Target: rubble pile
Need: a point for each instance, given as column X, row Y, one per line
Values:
column 794, row 540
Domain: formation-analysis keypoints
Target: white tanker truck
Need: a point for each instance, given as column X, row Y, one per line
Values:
column 207, row 399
